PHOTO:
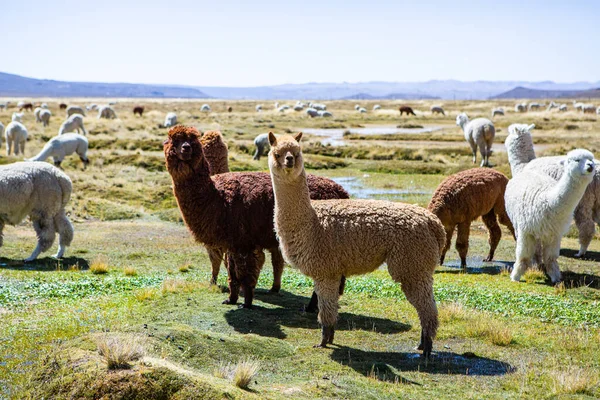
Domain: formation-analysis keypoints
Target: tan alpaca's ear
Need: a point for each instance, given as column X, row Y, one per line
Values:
column 298, row 137
column 272, row 139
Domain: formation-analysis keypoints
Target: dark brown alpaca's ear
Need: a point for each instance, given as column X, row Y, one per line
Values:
column 272, row 139
column 298, row 137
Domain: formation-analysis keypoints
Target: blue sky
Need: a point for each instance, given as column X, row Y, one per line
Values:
column 250, row 43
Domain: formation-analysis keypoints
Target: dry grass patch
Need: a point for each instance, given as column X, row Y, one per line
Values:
column 119, row 352
column 575, row 380
column 533, row 275
column 179, row 286
column 146, row 294
column 485, row 327
column 449, row 312
column 240, row 374
column 99, row 266
column 130, row 271
column 185, row 268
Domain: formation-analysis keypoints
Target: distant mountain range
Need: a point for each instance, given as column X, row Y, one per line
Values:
column 18, row 86
column 527, row 93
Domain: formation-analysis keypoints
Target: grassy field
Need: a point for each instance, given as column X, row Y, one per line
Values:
column 135, row 286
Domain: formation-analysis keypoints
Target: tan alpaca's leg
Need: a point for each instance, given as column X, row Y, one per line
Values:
column 328, row 293
column 215, row 255
column 584, row 219
column 277, row 262
column 462, row 242
column 449, row 233
column 313, row 304
column 419, row 292
column 494, row 233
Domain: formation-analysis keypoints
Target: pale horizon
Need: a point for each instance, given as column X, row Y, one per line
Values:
column 268, row 43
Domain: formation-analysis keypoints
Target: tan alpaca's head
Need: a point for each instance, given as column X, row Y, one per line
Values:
column 183, row 151
column 285, row 157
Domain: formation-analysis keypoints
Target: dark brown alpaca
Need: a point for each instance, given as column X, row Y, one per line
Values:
column 138, row 110
column 62, row 106
column 407, row 110
column 462, row 198
column 26, row 106
column 232, row 211
column 229, row 109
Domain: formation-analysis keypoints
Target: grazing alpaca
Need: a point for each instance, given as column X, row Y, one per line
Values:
column 462, row 198
column 26, row 106
column 40, row 191
column 138, row 110
column 437, row 109
column 229, row 109
column 478, row 132
column 16, row 137
column 232, row 211
column 326, row 240
column 64, row 145
column 541, row 210
column 407, row 110
column 62, row 106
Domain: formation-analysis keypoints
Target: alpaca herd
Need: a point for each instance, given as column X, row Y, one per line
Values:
column 310, row 221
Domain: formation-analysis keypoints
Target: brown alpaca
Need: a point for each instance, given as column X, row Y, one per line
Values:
column 462, row 198
column 329, row 239
column 62, row 106
column 26, row 106
column 229, row 109
column 138, row 110
column 231, row 211
column 407, row 110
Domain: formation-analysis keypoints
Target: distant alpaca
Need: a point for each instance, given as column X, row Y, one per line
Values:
column 26, row 106
column 45, row 117
column 262, row 143
column 232, row 211
column 229, row 109
column 106, row 112
column 462, row 198
column 75, row 110
column 138, row 110
column 72, row 124
column 62, row 106
column 40, row 191
column 407, row 110
column 478, row 132
column 329, row 239
column 16, row 137
column 541, row 210
column 437, row 109
column 64, row 145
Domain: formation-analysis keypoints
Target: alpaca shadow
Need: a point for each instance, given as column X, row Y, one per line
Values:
column 589, row 255
column 45, row 264
column 386, row 365
column 490, row 268
column 269, row 321
column 573, row 280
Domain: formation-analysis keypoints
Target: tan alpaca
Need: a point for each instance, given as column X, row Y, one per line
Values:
column 330, row 238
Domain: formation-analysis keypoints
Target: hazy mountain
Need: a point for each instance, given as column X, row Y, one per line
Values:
column 15, row 85
column 528, row 93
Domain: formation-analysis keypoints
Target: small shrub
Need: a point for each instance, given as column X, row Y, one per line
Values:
column 185, row 268
column 119, row 352
column 99, row 266
column 244, row 372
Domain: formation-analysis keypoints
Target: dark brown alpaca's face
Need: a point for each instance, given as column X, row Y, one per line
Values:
column 183, row 149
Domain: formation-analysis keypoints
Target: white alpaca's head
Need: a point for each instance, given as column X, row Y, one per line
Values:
column 520, row 129
column 285, row 156
column 462, row 119
column 580, row 163
column 17, row 117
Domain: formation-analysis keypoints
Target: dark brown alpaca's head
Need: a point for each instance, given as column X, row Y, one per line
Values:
column 183, row 152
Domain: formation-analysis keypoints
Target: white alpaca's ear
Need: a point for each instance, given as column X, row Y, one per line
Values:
column 272, row 139
column 298, row 137
column 530, row 127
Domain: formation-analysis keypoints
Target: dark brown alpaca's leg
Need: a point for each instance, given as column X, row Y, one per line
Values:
column 248, row 268
column 462, row 242
column 277, row 261
column 495, row 233
column 216, row 256
column 449, row 233
column 232, row 280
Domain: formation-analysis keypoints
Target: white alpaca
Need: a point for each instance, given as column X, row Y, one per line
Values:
column 92, row 107
column 577, row 105
column 258, row 107
column 478, row 132
column 40, row 191
column 376, row 107
column 562, row 108
column 541, row 210
column 319, row 106
column 61, row 146
column 312, row 112
column 170, row 120
column 75, row 110
column 262, row 143
column 106, row 112
column 534, row 106
column 36, row 112
column 497, row 111
column 588, row 109
column 1, row 132
column 362, row 110
column 17, row 117
column 16, row 137
column 45, row 117
column 72, row 124
column 357, row 107
column 205, row 108
column 519, row 146
column 44, row 105
column 324, row 114
column 520, row 107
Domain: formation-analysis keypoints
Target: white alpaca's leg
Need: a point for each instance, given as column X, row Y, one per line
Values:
column 65, row 233
column 8, row 146
column 551, row 253
column 44, row 229
column 473, row 150
column 524, row 252
column 584, row 220
column 1, row 232
column 22, row 148
column 483, row 152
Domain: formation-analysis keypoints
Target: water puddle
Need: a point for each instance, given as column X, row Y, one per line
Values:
column 335, row 137
column 358, row 189
column 476, row 265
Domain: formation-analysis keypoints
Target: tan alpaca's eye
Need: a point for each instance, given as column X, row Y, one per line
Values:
column 276, row 155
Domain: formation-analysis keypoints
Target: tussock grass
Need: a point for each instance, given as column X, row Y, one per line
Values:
column 99, row 266
column 130, row 271
column 119, row 351
column 146, row 294
column 533, row 275
column 240, row 374
column 185, row 268
column 575, row 380
column 179, row 286
column 482, row 326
